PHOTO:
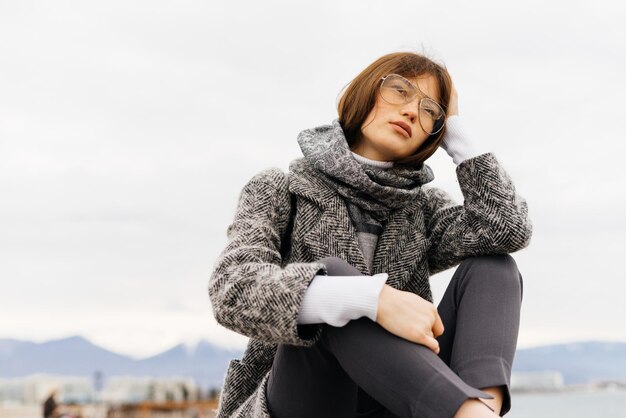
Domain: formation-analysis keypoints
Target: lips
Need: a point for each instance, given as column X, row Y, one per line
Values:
column 404, row 127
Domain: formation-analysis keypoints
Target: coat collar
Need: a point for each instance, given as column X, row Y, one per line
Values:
column 335, row 235
column 376, row 189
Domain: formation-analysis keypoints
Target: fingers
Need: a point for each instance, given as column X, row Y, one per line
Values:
column 453, row 101
column 437, row 329
column 431, row 343
column 437, row 325
column 409, row 316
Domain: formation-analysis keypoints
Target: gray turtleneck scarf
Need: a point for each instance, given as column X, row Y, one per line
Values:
column 371, row 189
column 368, row 229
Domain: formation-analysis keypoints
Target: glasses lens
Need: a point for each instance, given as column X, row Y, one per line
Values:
column 431, row 116
column 397, row 90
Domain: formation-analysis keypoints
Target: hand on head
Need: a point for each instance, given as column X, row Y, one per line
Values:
column 453, row 105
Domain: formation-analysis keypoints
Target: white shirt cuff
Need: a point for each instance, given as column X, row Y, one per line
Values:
column 336, row 300
column 458, row 143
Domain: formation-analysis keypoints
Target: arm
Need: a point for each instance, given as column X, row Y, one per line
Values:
column 456, row 141
column 493, row 218
column 459, row 145
column 250, row 291
column 336, row 300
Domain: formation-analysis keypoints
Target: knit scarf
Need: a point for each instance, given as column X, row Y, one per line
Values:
column 373, row 190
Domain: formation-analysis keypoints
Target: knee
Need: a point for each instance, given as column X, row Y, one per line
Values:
column 495, row 262
column 336, row 266
column 499, row 270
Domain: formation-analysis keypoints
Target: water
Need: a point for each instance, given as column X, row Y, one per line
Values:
column 577, row 404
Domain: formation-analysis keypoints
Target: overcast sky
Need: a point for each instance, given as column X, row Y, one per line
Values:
column 127, row 129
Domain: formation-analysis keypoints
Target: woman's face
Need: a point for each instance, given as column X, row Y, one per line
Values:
column 392, row 131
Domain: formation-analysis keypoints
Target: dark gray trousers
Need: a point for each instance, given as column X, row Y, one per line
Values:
column 362, row 370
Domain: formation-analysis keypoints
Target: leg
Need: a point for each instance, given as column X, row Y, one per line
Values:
column 309, row 383
column 408, row 379
column 351, row 363
column 498, row 393
column 480, row 311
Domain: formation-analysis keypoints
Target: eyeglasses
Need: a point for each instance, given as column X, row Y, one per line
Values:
column 396, row 89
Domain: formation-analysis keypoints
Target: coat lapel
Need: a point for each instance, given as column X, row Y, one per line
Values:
column 401, row 247
column 327, row 230
column 325, row 222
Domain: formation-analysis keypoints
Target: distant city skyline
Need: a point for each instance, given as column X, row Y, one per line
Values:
column 127, row 131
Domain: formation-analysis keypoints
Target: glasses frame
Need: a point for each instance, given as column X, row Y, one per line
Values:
column 417, row 92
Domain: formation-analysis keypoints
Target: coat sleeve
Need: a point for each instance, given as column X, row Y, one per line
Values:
column 493, row 218
column 251, row 291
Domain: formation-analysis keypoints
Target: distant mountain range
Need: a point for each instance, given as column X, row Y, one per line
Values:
column 580, row 362
column 76, row 356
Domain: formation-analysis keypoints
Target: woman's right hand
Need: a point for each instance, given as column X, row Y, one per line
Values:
column 409, row 316
column 453, row 104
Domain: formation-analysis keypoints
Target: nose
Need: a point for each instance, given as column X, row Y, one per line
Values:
column 411, row 110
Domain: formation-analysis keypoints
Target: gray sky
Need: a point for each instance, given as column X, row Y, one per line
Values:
column 127, row 130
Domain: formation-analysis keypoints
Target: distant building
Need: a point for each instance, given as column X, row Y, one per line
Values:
column 34, row 389
column 537, row 381
column 120, row 389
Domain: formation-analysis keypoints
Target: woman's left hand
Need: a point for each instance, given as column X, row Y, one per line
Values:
column 453, row 105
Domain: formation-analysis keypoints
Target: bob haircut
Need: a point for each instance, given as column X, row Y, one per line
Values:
column 359, row 97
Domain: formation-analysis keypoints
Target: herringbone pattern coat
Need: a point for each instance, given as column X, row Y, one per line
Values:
column 259, row 281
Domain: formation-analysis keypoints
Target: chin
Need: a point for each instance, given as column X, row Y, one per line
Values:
column 397, row 153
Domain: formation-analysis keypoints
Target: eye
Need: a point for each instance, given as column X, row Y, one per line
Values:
column 399, row 89
column 431, row 109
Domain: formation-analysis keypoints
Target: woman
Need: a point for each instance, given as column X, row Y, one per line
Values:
column 327, row 270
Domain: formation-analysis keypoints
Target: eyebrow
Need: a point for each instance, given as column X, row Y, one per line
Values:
column 418, row 89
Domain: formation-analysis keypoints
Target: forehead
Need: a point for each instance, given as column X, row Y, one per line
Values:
column 427, row 83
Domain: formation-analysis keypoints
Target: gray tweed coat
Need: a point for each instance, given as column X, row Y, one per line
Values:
column 261, row 276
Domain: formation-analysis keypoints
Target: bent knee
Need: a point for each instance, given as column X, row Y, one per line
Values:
column 496, row 269
column 493, row 262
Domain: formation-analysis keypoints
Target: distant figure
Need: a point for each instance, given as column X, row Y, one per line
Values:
column 50, row 405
